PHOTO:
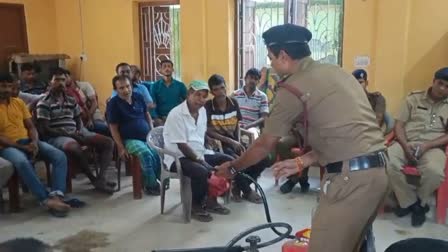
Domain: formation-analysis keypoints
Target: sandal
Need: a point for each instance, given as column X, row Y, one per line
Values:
column 58, row 213
column 101, row 185
column 200, row 214
column 217, row 209
column 75, row 203
column 57, row 208
column 253, row 197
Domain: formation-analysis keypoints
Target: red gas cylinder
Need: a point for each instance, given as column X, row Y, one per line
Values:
column 295, row 246
column 300, row 244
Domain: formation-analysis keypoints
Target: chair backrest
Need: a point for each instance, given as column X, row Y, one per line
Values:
column 155, row 137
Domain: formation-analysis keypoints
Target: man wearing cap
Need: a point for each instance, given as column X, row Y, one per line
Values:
column 338, row 124
column 420, row 129
column 184, row 134
column 376, row 99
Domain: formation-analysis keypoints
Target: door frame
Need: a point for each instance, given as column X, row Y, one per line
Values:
column 21, row 8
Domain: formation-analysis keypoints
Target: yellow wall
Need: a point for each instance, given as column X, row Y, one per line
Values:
column 109, row 38
column 207, row 44
column 111, row 35
column 406, row 40
column 41, row 25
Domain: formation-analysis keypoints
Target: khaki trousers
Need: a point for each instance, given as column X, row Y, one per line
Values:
column 431, row 166
column 348, row 205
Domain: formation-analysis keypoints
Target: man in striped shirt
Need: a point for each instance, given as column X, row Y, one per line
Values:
column 60, row 124
column 253, row 102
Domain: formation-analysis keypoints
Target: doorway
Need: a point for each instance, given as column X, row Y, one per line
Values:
column 12, row 23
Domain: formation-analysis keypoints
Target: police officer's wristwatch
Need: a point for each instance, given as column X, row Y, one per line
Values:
column 232, row 170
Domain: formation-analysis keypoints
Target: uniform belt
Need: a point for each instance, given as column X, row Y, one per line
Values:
column 371, row 160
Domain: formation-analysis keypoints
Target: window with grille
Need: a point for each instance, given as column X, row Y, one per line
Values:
column 324, row 18
column 159, row 38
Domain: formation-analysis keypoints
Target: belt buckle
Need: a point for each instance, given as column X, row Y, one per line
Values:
column 363, row 162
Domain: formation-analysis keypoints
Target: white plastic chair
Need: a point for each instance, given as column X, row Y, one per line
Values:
column 155, row 140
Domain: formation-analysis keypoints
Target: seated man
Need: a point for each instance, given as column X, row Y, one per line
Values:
column 166, row 92
column 6, row 171
column 29, row 81
column 223, row 116
column 184, row 134
column 421, row 134
column 87, row 100
column 253, row 103
column 60, row 124
column 137, row 73
column 376, row 99
column 125, row 70
column 130, row 123
column 20, row 146
column 29, row 99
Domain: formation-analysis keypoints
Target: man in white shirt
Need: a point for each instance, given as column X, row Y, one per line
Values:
column 184, row 134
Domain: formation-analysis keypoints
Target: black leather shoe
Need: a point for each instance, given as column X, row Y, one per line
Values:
column 401, row 212
column 418, row 215
column 287, row 186
column 304, row 187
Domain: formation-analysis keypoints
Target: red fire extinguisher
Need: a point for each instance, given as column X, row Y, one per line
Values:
column 300, row 244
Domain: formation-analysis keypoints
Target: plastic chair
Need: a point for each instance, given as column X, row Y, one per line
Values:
column 155, row 140
column 134, row 168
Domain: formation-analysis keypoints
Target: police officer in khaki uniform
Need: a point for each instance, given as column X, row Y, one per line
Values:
column 376, row 99
column 420, row 129
column 341, row 129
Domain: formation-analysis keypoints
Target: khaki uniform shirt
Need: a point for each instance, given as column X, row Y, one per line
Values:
column 424, row 119
column 377, row 102
column 342, row 124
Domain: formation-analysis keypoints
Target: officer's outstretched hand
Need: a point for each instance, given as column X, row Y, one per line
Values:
column 286, row 168
column 223, row 170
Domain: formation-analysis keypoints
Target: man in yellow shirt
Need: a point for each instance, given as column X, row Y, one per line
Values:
column 20, row 145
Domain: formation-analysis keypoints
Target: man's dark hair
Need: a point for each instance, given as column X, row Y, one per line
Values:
column 120, row 65
column 441, row 74
column 6, row 77
column 119, row 78
column 24, row 244
column 57, row 71
column 215, row 80
column 26, row 67
column 254, row 73
column 166, row 61
column 295, row 50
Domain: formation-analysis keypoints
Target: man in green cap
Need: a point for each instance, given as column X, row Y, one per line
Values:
column 184, row 134
column 337, row 123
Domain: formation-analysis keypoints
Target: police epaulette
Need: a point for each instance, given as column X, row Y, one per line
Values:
column 417, row 92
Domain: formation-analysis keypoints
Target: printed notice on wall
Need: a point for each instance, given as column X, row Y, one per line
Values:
column 362, row 61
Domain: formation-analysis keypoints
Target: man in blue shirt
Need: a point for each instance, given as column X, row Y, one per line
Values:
column 124, row 69
column 130, row 123
column 166, row 92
